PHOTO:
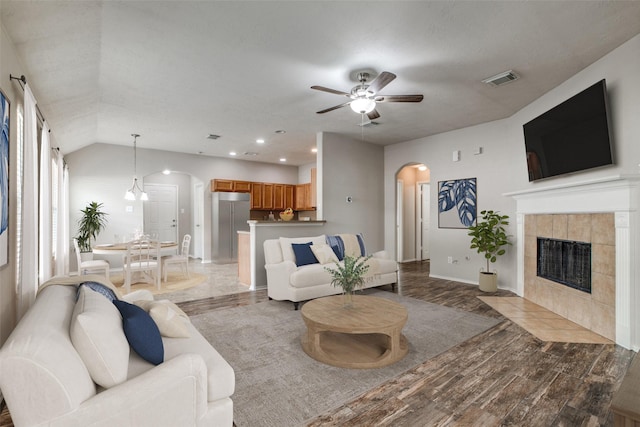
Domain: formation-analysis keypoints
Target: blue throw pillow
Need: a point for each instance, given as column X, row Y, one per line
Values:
column 337, row 245
column 141, row 332
column 363, row 249
column 304, row 254
column 101, row 289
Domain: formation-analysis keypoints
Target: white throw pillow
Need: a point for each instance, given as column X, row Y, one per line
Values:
column 171, row 320
column 287, row 250
column 324, row 253
column 97, row 335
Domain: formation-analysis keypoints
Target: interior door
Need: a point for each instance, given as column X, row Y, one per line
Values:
column 161, row 212
column 425, row 219
column 198, row 218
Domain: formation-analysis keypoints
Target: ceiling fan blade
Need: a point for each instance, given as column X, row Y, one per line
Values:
column 373, row 115
column 326, row 89
column 381, row 81
column 399, row 98
column 333, row 108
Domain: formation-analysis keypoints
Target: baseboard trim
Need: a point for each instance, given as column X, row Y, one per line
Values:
column 454, row 279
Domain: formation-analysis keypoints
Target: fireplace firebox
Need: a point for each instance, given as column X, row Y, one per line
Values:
column 565, row 262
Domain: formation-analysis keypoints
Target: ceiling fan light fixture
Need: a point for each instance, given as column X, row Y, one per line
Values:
column 363, row 105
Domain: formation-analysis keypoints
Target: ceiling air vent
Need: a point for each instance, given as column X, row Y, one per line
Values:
column 213, row 136
column 502, row 78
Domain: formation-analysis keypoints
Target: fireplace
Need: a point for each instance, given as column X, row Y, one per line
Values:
column 565, row 261
column 602, row 211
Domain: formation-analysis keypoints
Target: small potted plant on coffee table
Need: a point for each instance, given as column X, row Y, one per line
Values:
column 349, row 276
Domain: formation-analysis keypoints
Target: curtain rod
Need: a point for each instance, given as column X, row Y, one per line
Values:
column 23, row 81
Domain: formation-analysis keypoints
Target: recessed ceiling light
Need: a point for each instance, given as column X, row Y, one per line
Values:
column 166, row 172
column 314, row 150
column 232, row 153
column 282, row 159
column 281, row 131
column 260, row 141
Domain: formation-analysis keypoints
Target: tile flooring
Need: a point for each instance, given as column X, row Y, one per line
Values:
column 222, row 279
column 542, row 323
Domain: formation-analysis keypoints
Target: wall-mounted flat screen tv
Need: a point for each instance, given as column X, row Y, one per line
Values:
column 571, row 137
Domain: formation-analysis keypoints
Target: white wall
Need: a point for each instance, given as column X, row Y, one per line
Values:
column 352, row 168
column 502, row 166
column 9, row 64
column 103, row 172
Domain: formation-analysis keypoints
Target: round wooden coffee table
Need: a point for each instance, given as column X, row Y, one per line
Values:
column 366, row 335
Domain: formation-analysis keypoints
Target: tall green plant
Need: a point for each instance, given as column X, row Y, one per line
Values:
column 350, row 275
column 489, row 235
column 92, row 222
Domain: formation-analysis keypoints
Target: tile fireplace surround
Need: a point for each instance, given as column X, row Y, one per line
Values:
column 602, row 212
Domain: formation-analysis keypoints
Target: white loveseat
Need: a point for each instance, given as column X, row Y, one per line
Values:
column 46, row 382
column 288, row 282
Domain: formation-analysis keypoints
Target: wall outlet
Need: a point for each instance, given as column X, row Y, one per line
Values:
column 450, row 260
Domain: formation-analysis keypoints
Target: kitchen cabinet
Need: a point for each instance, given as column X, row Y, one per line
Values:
column 267, row 196
column 314, row 179
column 303, row 197
column 283, row 196
column 230, row 185
column 256, row 195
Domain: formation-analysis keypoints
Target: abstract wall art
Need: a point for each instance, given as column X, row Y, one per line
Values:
column 4, row 180
column 457, row 203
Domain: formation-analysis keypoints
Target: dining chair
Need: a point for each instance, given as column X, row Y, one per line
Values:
column 142, row 257
column 96, row 266
column 182, row 258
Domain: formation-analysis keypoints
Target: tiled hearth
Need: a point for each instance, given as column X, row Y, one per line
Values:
column 596, row 310
column 603, row 212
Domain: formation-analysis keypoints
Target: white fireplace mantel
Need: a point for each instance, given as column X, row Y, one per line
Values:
column 618, row 194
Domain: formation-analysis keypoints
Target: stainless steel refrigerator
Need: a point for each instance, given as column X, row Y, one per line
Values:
column 229, row 214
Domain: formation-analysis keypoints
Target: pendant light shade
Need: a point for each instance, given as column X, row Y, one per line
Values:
column 135, row 187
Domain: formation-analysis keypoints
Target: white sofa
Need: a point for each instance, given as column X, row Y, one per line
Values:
column 46, row 383
column 288, row 282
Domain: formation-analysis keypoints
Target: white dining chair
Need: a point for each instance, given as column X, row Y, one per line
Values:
column 142, row 257
column 182, row 258
column 96, row 266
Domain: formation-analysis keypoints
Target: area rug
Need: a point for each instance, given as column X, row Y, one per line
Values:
column 277, row 384
column 176, row 281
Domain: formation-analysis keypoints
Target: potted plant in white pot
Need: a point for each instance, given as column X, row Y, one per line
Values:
column 489, row 237
column 92, row 222
column 349, row 276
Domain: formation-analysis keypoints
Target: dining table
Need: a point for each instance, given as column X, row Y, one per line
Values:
column 166, row 248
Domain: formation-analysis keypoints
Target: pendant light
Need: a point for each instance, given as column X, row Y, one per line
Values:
column 131, row 192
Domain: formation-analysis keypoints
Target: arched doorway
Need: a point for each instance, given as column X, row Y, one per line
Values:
column 413, row 220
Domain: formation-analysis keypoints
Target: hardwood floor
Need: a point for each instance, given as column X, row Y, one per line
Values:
column 502, row 377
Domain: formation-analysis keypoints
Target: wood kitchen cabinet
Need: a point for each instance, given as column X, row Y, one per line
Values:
column 267, row 196
column 256, row 195
column 283, row 196
column 303, row 197
column 230, row 185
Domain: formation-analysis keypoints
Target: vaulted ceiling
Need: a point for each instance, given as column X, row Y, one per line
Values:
column 177, row 71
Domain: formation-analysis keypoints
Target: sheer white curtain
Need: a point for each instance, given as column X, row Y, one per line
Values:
column 28, row 281
column 62, row 224
column 45, row 220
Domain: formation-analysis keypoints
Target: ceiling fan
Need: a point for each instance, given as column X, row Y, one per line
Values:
column 364, row 96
